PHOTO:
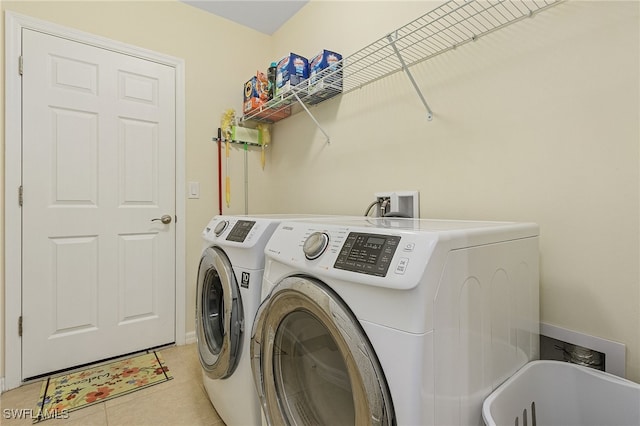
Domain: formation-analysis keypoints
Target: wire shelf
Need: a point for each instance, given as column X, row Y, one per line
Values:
column 445, row 28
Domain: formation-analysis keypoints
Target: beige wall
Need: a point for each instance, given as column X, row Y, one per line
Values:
column 537, row 122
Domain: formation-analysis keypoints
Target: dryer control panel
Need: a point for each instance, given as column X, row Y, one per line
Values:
column 240, row 230
column 367, row 253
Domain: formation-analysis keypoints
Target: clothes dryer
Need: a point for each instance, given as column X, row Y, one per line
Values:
column 393, row 321
column 227, row 297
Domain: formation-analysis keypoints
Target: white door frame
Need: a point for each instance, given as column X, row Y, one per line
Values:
column 14, row 23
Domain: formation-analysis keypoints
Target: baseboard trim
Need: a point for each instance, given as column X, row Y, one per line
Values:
column 190, row 337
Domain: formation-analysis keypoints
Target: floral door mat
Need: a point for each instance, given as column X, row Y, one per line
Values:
column 62, row 394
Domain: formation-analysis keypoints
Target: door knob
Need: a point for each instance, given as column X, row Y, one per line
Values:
column 166, row 219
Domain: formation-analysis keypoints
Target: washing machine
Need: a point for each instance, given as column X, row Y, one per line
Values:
column 227, row 298
column 393, row 321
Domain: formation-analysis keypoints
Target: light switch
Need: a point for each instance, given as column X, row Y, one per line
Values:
column 194, row 189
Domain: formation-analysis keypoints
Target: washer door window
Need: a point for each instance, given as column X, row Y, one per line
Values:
column 219, row 315
column 312, row 362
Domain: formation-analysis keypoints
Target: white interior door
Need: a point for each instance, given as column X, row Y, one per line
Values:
column 98, row 167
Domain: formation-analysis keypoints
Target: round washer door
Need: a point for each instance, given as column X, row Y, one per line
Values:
column 219, row 315
column 312, row 362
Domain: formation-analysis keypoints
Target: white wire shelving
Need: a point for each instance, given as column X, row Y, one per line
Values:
column 447, row 27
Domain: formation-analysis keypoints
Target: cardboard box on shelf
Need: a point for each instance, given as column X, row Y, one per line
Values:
column 325, row 76
column 255, row 92
column 291, row 70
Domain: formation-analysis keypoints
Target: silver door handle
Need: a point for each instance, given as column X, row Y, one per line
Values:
column 166, row 219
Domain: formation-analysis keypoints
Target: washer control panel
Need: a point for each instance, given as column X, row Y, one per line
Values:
column 360, row 253
column 367, row 253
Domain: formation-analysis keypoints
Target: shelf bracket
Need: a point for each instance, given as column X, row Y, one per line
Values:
column 413, row 82
column 326, row 135
column 233, row 141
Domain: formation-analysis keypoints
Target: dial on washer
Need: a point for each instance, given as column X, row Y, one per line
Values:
column 220, row 227
column 315, row 245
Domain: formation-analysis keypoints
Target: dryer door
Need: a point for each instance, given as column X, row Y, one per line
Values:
column 312, row 362
column 219, row 315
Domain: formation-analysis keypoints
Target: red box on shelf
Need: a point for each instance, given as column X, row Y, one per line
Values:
column 255, row 92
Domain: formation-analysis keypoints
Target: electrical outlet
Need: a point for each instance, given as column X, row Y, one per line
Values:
column 398, row 203
column 383, row 206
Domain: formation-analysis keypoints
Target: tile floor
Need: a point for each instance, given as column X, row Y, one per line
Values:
column 181, row 401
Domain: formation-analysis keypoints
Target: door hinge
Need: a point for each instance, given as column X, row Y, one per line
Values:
column 20, row 196
column 20, row 65
column 20, row 326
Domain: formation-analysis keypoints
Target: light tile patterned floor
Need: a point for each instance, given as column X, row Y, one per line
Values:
column 181, row 401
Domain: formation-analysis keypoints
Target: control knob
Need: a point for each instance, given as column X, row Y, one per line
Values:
column 220, row 227
column 315, row 245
